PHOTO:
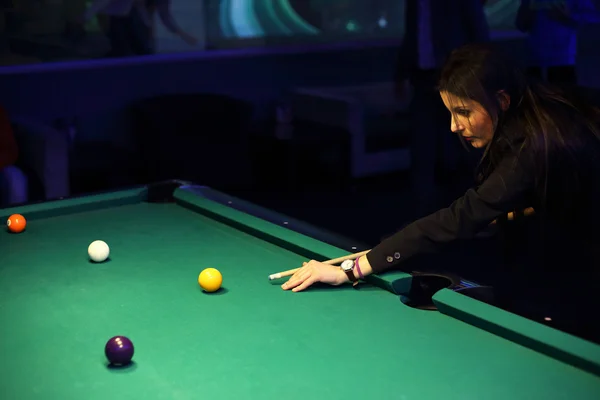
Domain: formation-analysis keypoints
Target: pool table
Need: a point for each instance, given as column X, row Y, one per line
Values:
column 250, row 339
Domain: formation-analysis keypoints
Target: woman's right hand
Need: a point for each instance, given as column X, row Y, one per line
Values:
column 313, row 272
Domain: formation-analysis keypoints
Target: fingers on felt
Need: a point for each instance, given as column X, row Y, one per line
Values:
column 299, row 277
column 305, row 284
column 294, row 282
column 304, row 280
column 300, row 281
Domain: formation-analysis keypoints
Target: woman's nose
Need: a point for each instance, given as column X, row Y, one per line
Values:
column 454, row 126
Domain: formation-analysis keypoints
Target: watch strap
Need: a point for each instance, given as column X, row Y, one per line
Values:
column 350, row 273
column 352, row 278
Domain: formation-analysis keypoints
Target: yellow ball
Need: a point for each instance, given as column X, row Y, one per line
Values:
column 210, row 279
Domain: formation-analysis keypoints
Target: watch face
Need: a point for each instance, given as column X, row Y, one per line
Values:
column 347, row 265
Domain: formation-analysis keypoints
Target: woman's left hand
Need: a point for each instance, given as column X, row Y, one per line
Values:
column 312, row 272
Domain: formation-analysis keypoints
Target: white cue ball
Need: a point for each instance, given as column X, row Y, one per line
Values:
column 98, row 251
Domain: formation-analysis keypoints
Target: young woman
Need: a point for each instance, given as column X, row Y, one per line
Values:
column 541, row 151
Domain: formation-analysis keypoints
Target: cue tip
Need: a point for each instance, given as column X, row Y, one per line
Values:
column 274, row 276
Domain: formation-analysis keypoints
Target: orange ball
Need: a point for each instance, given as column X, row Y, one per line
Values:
column 16, row 223
column 210, row 280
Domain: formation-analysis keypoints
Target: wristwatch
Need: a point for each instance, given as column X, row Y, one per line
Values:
column 348, row 268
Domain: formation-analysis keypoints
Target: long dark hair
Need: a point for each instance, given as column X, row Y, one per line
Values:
column 555, row 128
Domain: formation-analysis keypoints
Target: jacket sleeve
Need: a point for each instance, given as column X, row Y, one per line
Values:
column 8, row 144
column 508, row 188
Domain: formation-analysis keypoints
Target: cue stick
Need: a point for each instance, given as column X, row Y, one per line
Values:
column 511, row 216
column 290, row 272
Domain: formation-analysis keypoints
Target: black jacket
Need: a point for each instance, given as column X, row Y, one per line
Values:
column 551, row 245
column 506, row 189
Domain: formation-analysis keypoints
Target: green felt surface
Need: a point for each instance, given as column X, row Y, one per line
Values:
column 550, row 341
column 251, row 340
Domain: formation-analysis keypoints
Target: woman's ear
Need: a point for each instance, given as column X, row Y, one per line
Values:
column 503, row 100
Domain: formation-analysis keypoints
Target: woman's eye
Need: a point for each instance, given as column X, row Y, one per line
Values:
column 464, row 113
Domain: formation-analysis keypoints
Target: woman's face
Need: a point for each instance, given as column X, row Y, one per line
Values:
column 469, row 119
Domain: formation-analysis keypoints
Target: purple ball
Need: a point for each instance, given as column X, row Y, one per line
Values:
column 119, row 350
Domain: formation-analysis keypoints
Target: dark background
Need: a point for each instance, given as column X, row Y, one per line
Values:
column 97, row 100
